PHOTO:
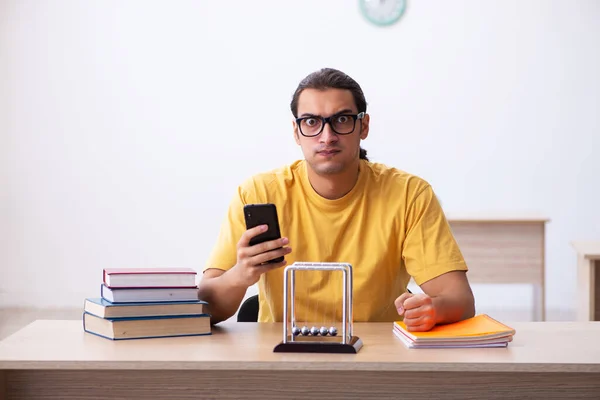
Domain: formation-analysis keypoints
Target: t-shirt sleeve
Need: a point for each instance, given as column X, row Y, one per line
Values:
column 429, row 248
column 224, row 253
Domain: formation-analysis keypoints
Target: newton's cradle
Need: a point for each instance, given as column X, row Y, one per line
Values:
column 323, row 339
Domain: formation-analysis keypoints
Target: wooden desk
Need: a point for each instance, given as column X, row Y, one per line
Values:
column 505, row 250
column 56, row 359
column 588, row 280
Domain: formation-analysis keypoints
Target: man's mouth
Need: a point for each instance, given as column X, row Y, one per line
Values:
column 328, row 152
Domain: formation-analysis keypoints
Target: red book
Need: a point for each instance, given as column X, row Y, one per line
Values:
column 149, row 277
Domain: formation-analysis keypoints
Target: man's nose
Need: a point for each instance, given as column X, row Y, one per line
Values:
column 328, row 135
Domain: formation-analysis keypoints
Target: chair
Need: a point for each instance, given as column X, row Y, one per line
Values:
column 248, row 311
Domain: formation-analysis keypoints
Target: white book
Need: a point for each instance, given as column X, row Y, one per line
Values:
column 141, row 295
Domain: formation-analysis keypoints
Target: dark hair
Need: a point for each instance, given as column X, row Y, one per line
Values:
column 329, row 78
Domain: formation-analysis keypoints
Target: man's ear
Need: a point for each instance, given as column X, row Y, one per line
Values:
column 364, row 132
column 296, row 133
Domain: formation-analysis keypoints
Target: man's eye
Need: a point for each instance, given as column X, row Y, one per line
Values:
column 342, row 119
column 311, row 121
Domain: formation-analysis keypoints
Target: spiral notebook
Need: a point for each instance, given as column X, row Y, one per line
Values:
column 479, row 331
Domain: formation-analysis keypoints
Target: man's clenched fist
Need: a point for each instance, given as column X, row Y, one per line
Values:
column 418, row 311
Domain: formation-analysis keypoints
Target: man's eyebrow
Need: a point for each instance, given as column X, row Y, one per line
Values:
column 344, row 111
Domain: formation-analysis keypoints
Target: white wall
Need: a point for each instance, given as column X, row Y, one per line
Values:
column 125, row 126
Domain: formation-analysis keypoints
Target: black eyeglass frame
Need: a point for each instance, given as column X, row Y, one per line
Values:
column 327, row 120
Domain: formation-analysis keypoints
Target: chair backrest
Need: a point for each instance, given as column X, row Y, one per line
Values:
column 248, row 311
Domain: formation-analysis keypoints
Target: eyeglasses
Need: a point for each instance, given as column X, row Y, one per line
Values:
column 342, row 124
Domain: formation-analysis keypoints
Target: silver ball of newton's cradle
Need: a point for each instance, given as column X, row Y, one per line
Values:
column 305, row 331
column 314, row 331
column 296, row 331
column 323, row 331
column 333, row 331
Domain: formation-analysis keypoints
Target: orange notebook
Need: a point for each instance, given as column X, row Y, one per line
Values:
column 479, row 331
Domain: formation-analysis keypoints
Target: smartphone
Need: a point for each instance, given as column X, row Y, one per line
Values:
column 263, row 214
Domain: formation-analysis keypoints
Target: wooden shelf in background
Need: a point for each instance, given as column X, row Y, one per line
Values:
column 505, row 250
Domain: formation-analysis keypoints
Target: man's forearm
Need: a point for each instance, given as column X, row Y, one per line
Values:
column 223, row 295
column 452, row 308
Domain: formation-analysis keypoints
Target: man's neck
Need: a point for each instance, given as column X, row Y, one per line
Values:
column 334, row 186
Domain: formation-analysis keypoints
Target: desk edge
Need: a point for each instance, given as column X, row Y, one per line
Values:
column 302, row 366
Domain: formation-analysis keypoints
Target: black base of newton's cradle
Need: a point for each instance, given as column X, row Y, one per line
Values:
column 352, row 347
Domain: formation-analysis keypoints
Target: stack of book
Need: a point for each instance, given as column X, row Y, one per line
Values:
column 479, row 331
column 138, row 303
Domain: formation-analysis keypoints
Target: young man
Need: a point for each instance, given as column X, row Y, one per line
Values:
column 337, row 206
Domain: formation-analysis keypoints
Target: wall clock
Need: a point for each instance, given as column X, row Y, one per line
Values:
column 382, row 12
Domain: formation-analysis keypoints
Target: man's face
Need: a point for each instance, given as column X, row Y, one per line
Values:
column 329, row 152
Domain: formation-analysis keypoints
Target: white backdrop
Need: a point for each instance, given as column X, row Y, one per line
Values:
column 126, row 126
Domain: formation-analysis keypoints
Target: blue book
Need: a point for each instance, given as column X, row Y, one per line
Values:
column 105, row 309
column 147, row 327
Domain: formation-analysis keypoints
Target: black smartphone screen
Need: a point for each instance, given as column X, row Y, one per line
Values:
column 263, row 214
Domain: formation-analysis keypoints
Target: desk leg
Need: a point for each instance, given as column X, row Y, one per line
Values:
column 539, row 303
column 585, row 289
column 595, row 290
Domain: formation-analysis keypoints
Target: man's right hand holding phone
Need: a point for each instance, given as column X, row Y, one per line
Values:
column 252, row 261
column 225, row 290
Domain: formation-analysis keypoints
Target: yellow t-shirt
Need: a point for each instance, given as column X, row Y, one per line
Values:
column 389, row 227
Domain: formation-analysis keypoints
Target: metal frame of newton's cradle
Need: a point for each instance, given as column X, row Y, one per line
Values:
column 346, row 343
